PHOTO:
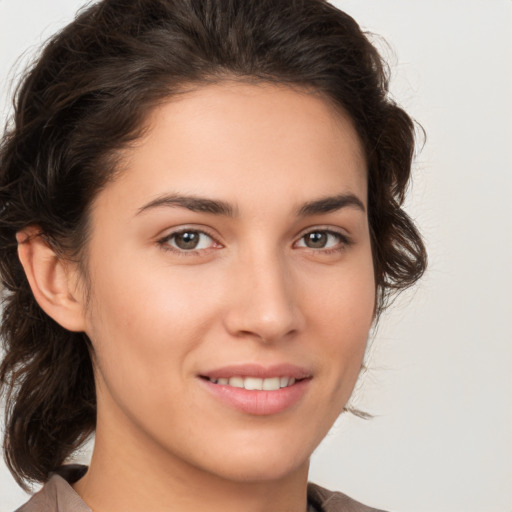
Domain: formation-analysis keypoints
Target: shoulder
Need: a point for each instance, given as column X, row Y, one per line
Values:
column 57, row 495
column 328, row 501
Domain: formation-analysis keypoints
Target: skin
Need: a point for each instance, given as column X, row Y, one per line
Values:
column 252, row 292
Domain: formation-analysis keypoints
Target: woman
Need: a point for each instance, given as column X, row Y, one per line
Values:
column 200, row 221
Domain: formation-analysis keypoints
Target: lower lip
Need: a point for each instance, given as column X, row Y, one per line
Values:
column 259, row 403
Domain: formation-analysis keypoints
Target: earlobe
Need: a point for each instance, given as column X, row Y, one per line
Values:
column 51, row 280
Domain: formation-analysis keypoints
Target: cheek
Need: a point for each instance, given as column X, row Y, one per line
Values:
column 144, row 320
column 343, row 317
column 345, row 304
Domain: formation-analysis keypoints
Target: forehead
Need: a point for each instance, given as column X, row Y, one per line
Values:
column 238, row 141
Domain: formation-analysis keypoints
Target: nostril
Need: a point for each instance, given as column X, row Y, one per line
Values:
column 262, row 306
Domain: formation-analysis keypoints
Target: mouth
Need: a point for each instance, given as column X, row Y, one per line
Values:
column 258, row 390
column 255, row 383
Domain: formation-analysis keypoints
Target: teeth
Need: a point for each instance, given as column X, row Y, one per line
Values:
column 256, row 383
column 271, row 384
column 236, row 382
column 253, row 383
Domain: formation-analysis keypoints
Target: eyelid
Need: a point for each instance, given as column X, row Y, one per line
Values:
column 345, row 240
column 163, row 241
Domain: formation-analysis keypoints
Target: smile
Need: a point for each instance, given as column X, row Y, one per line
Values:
column 256, row 383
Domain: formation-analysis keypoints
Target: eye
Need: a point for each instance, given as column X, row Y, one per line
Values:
column 322, row 239
column 188, row 240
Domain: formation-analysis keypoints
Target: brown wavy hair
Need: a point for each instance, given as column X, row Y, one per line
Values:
column 87, row 96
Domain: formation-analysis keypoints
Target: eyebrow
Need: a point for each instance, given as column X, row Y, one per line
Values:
column 192, row 203
column 219, row 207
column 331, row 204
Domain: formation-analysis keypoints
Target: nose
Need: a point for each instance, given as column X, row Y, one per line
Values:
column 264, row 303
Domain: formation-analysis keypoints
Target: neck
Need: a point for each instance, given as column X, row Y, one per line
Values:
column 129, row 474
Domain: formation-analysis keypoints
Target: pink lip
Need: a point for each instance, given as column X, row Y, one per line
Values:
column 258, row 402
column 255, row 370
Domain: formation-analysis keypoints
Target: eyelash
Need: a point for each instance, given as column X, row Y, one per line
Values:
column 164, row 242
column 343, row 242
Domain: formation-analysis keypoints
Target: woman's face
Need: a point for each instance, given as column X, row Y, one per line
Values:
column 233, row 252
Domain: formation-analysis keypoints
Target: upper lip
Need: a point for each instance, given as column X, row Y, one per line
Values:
column 255, row 370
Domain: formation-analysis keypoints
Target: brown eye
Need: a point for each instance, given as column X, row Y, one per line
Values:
column 322, row 239
column 189, row 240
column 316, row 240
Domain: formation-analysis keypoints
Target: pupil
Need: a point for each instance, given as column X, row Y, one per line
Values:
column 316, row 240
column 187, row 240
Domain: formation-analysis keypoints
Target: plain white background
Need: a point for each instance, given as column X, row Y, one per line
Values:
column 439, row 382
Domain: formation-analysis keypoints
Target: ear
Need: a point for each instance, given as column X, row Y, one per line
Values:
column 52, row 280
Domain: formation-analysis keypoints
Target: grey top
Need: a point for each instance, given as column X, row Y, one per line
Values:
column 57, row 495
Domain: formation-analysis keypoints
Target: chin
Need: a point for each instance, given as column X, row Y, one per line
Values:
column 261, row 471
column 261, row 462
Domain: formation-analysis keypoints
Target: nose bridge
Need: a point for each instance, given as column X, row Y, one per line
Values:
column 264, row 302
